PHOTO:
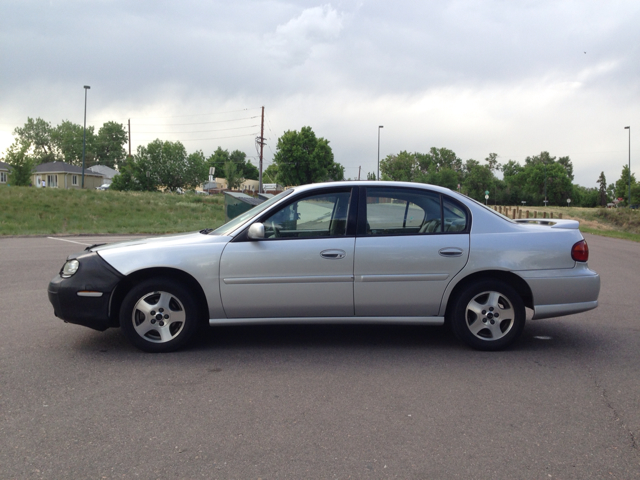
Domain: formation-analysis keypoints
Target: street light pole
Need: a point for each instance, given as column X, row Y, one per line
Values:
column 629, row 202
column 84, row 132
column 379, row 127
column 545, row 184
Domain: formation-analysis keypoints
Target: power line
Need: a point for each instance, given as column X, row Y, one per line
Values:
column 219, row 138
column 197, row 123
column 205, row 131
column 204, row 114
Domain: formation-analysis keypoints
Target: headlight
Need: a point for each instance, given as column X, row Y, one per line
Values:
column 70, row 268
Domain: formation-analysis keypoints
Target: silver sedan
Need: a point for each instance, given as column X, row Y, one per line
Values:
column 347, row 252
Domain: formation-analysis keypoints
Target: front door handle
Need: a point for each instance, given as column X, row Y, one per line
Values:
column 333, row 254
column 450, row 252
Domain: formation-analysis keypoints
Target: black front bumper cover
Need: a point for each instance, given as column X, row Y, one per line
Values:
column 93, row 275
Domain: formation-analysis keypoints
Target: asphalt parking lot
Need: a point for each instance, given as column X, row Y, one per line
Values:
column 300, row 402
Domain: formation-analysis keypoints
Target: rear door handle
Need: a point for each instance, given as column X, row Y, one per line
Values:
column 450, row 252
column 333, row 254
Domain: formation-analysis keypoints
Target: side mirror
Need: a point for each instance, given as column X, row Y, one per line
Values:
column 256, row 231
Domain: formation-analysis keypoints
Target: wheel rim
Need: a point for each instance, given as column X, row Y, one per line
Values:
column 490, row 315
column 158, row 317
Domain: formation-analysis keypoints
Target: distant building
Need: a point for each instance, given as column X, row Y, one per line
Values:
column 63, row 175
column 248, row 186
column 4, row 173
column 107, row 172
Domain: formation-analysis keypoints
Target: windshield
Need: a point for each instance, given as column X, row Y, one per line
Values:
column 233, row 224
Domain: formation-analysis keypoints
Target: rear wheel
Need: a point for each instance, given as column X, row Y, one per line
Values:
column 488, row 315
column 159, row 315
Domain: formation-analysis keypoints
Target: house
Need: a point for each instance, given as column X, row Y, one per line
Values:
column 63, row 175
column 4, row 173
column 221, row 184
column 107, row 173
column 248, row 186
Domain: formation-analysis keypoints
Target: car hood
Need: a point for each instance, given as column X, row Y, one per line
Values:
column 190, row 252
column 178, row 239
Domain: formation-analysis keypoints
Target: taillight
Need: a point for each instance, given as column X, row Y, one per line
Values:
column 580, row 251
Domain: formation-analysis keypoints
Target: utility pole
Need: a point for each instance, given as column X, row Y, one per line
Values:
column 129, row 122
column 261, row 140
column 359, row 168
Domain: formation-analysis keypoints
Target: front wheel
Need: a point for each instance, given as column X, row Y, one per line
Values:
column 488, row 315
column 159, row 315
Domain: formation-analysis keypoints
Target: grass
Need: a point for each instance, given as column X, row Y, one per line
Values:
column 50, row 211
column 621, row 223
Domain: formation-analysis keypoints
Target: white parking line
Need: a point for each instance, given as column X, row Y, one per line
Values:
column 65, row 240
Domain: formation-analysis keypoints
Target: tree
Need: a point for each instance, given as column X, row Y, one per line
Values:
column 511, row 168
column 478, row 179
column 568, row 166
column 558, row 183
column 195, row 171
column 127, row 176
column 171, row 165
column 446, row 177
column 586, row 197
column 36, row 135
column 440, row 166
column 65, row 142
column 244, row 167
column 371, row 176
column 622, row 184
column 303, row 158
column 22, row 165
column 109, row 144
column 220, row 157
column 162, row 164
column 233, row 176
column 513, row 183
column 492, row 162
column 438, row 159
column 544, row 169
column 602, row 192
column 270, row 175
column 635, row 194
column 400, row 167
column 217, row 160
column 68, row 138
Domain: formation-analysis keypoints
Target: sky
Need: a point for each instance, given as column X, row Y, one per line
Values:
column 510, row 77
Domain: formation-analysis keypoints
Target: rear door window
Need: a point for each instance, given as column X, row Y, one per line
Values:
column 404, row 211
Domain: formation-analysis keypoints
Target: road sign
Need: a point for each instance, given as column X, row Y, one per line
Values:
column 486, row 192
column 486, row 197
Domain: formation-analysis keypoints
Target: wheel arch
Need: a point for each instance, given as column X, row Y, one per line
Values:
column 134, row 278
column 510, row 278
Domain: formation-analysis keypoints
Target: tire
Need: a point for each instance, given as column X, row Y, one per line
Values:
column 488, row 315
column 159, row 315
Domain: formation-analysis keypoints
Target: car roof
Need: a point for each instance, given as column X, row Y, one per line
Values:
column 375, row 183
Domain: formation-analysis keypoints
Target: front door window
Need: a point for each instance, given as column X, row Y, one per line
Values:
column 318, row 216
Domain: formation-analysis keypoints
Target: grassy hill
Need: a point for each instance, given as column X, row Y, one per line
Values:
column 609, row 222
column 47, row 211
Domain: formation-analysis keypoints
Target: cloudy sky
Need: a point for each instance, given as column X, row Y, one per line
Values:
column 504, row 76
